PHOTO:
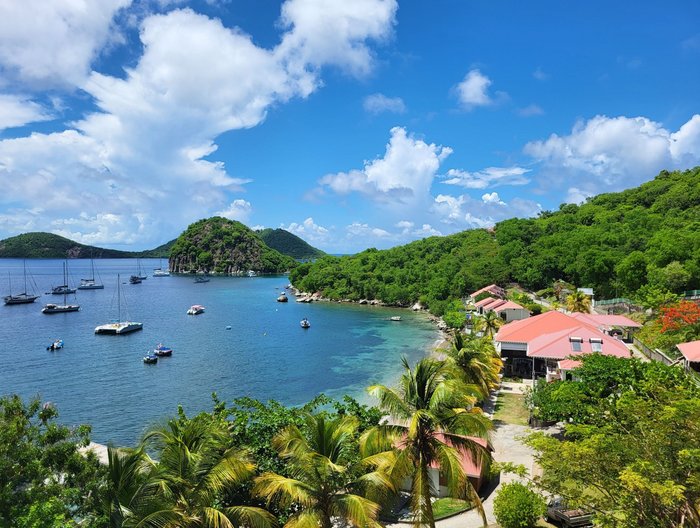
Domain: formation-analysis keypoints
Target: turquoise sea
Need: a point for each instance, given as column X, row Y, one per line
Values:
column 101, row 379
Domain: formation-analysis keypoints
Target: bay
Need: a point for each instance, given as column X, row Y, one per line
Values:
column 101, row 380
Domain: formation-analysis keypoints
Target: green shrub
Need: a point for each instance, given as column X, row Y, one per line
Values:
column 517, row 506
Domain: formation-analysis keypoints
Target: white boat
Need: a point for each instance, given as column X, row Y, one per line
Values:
column 160, row 272
column 195, row 309
column 119, row 327
column 395, row 318
column 305, row 323
column 91, row 283
column 20, row 298
column 53, row 308
column 251, row 273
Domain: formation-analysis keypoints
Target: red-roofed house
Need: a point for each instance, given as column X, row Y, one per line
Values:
column 495, row 291
column 533, row 347
column 691, row 355
column 474, row 467
column 609, row 323
column 506, row 310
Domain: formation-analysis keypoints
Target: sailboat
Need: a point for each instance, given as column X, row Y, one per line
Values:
column 52, row 308
column 63, row 289
column 91, row 283
column 139, row 272
column 21, row 298
column 119, row 327
column 159, row 271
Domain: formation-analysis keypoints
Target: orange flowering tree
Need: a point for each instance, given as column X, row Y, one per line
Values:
column 683, row 316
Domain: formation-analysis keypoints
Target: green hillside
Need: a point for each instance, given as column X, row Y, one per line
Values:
column 615, row 243
column 48, row 245
column 289, row 244
column 219, row 245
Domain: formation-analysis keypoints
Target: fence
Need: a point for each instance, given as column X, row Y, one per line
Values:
column 619, row 300
column 653, row 354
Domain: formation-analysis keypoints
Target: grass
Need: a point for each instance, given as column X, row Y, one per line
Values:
column 447, row 506
column 510, row 408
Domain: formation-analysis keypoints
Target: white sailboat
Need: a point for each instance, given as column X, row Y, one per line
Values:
column 119, row 327
column 91, row 283
column 52, row 308
column 20, row 298
column 159, row 271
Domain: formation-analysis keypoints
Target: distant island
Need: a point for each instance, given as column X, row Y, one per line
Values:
column 222, row 246
column 289, row 244
column 47, row 245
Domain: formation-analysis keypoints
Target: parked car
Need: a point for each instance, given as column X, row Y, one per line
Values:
column 559, row 511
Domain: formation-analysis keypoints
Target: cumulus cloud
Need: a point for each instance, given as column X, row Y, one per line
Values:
column 237, row 210
column 464, row 212
column 473, row 91
column 378, row 103
column 403, row 176
column 53, row 43
column 360, row 230
column 16, row 111
column 492, row 198
column 151, row 144
column 309, row 230
column 488, row 177
column 608, row 154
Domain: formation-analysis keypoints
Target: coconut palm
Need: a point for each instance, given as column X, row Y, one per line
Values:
column 476, row 360
column 325, row 480
column 183, row 489
column 433, row 424
column 489, row 323
column 578, row 302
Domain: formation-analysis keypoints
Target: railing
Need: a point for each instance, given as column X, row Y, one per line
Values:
column 691, row 294
column 619, row 300
column 653, row 354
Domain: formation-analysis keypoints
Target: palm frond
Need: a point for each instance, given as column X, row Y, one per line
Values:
column 305, row 519
column 282, row 490
column 251, row 517
column 358, row 510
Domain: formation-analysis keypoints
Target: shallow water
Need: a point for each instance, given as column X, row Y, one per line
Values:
column 101, row 380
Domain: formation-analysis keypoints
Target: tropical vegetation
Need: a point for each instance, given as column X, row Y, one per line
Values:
column 517, row 505
column 289, row 244
column 219, row 245
column 615, row 243
column 476, row 361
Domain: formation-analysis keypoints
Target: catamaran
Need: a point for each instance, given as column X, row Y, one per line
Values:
column 119, row 327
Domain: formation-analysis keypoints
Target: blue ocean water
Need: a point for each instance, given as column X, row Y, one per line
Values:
column 101, row 379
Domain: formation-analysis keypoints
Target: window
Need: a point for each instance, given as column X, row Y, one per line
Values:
column 596, row 344
column 576, row 343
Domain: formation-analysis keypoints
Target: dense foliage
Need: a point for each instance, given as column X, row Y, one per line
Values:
column 48, row 245
column 219, row 245
column 630, row 452
column 615, row 243
column 289, row 244
column 518, row 506
column 44, row 480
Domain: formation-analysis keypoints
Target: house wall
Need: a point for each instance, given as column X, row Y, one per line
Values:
column 514, row 314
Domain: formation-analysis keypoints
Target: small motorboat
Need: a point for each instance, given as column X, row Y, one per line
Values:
column 201, row 279
column 162, row 351
column 56, row 345
column 150, row 359
column 195, row 309
column 395, row 318
column 282, row 297
column 305, row 323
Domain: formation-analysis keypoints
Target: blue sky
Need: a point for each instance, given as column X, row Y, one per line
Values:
column 357, row 124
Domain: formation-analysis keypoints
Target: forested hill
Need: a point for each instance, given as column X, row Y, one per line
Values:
column 616, row 243
column 218, row 245
column 289, row 244
column 48, row 245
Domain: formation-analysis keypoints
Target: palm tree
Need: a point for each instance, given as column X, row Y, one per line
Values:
column 476, row 360
column 578, row 302
column 184, row 487
column 489, row 324
column 433, row 422
column 323, row 479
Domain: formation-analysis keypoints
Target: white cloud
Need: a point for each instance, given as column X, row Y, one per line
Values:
column 404, row 224
column 148, row 147
column 309, row 231
column 53, row 43
column 237, row 210
column 489, row 177
column 359, row 230
column 378, row 103
column 609, row 154
column 473, row 91
column 403, row 176
column 530, row 110
column 16, row 111
column 492, row 198
column 540, row 75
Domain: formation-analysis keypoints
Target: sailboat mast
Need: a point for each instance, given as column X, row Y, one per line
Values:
column 24, row 268
column 119, row 299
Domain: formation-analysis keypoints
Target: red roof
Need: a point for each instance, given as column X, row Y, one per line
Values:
column 551, row 335
column 509, row 305
column 471, row 467
column 568, row 364
column 484, row 301
column 690, row 351
column 493, row 305
column 607, row 321
column 491, row 288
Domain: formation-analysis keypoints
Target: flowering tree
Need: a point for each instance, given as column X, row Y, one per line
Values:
column 680, row 316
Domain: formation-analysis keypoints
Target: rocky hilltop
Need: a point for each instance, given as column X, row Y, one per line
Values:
column 218, row 245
